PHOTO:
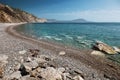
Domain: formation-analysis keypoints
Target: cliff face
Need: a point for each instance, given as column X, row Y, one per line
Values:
column 9, row 14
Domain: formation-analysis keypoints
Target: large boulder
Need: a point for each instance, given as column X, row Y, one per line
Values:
column 104, row 47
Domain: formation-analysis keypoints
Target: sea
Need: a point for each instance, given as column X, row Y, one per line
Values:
column 79, row 35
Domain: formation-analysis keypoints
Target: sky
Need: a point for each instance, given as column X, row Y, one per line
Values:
column 91, row 10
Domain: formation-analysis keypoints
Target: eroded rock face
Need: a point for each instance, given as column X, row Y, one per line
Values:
column 8, row 14
column 105, row 48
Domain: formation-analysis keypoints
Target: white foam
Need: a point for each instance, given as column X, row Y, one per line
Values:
column 58, row 39
column 69, row 37
column 49, row 37
column 80, row 37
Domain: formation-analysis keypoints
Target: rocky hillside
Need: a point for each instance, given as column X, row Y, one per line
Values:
column 9, row 14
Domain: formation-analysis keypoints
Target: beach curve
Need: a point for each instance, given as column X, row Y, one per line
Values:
column 80, row 56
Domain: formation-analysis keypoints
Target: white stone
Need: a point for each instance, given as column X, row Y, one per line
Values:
column 78, row 78
column 3, row 57
column 29, row 59
column 61, row 53
column 61, row 70
column 22, row 52
column 97, row 53
column 30, row 65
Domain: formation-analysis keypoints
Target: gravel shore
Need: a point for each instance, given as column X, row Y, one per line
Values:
column 91, row 67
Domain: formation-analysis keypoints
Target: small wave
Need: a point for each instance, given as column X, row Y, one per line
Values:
column 49, row 37
column 66, row 36
column 80, row 37
column 58, row 39
column 69, row 37
column 84, row 43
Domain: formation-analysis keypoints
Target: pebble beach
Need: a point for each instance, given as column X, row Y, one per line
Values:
column 49, row 61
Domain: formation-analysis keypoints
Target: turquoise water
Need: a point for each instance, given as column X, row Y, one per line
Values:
column 80, row 35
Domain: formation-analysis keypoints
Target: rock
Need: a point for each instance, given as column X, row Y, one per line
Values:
column 61, row 53
column 105, row 48
column 50, row 74
column 22, row 52
column 30, row 65
column 15, row 75
column 1, row 72
column 33, row 73
column 116, row 49
column 23, row 70
column 61, row 69
column 28, row 78
column 28, row 59
column 66, row 76
column 17, row 67
column 25, row 77
column 45, row 57
column 21, row 59
column 38, row 69
column 78, row 78
column 40, row 60
column 3, row 58
column 34, row 52
column 97, row 53
column 3, row 62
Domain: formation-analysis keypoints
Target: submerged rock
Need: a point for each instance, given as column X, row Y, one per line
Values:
column 105, row 48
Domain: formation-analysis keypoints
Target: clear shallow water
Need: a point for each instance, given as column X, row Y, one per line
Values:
column 80, row 35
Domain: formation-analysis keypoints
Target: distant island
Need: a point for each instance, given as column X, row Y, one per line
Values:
column 67, row 21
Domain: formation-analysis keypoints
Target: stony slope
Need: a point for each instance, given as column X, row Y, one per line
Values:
column 9, row 14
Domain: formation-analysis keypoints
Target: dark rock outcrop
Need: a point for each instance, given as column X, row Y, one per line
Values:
column 9, row 15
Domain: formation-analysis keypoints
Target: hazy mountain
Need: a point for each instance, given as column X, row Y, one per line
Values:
column 67, row 21
column 79, row 20
column 9, row 14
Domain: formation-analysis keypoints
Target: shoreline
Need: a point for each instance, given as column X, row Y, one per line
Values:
column 100, row 64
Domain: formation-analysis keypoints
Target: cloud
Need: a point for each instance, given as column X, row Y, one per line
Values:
column 93, row 15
